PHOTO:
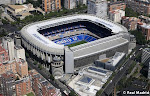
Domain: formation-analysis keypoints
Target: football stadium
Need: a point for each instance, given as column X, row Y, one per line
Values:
column 77, row 39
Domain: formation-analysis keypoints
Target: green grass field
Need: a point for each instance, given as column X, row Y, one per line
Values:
column 78, row 43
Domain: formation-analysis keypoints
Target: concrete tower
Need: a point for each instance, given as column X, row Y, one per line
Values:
column 57, row 66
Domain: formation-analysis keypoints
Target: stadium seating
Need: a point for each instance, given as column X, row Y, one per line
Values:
column 73, row 27
column 74, row 39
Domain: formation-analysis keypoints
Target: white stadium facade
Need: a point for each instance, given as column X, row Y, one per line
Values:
column 49, row 38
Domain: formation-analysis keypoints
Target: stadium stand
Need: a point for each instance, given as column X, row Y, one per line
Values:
column 73, row 39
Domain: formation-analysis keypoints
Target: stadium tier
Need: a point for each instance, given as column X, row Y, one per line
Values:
column 74, row 39
column 49, row 38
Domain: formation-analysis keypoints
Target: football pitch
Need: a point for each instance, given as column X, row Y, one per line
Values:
column 77, row 43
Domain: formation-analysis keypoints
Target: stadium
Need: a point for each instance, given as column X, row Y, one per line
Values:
column 77, row 39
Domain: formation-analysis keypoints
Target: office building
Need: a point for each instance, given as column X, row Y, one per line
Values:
column 8, row 44
column 145, row 55
column 98, row 8
column 111, row 63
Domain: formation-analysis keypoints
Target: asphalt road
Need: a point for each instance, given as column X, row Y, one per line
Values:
column 32, row 66
column 9, row 27
column 108, row 89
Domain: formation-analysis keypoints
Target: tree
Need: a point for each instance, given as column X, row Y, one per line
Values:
column 52, row 77
column 4, row 21
column 140, row 39
column 40, row 66
column 131, row 13
column 35, row 63
column 3, row 33
column 72, row 93
column 98, row 93
column 17, row 78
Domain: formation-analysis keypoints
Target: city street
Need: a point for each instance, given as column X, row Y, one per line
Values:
column 109, row 89
column 32, row 66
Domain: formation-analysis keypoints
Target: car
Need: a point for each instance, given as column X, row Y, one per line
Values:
column 121, row 68
column 140, row 48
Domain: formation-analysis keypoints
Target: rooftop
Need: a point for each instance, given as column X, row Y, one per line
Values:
column 147, row 26
column 118, row 2
column 104, row 60
column 116, row 58
column 147, row 49
column 100, row 45
column 17, row 6
column 18, row 47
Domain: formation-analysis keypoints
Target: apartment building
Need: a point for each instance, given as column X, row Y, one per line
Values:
column 145, row 29
column 130, row 22
column 51, row 5
column 116, row 5
column 41, row 86
column 116, row 15
column 140, row 6
column 7, row 84
column 22, row 68
column 23, row 86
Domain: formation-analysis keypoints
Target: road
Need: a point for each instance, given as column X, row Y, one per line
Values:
column 32, row 66
column 109, row 88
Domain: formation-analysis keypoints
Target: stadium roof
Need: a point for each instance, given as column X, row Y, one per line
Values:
column 88, row 49
column 31, row 34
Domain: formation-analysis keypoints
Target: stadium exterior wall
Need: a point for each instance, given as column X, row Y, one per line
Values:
column 90, row 59
column 37, row 51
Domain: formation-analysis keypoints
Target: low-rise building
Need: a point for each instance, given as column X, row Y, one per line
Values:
column 130, row 22
column 111, row 63
column 19, row 11
column 89, row 80
column 116, row 15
